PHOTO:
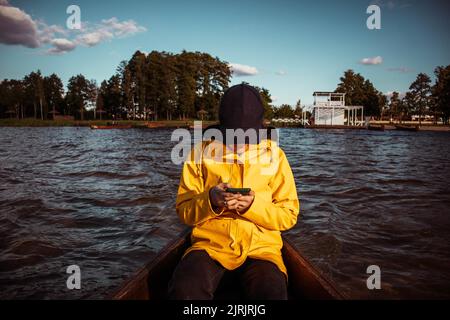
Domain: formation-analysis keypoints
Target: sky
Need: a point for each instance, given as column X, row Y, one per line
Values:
column 292, row 48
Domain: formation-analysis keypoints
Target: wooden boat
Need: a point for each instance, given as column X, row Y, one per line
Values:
column 151, row 281
column 376, row 127
column 115, row 126
column 155, row 125
column 407, row 128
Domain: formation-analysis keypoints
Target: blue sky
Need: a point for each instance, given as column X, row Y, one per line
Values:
column 292, row 47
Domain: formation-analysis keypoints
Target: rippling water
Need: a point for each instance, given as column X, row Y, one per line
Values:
column 104, row 200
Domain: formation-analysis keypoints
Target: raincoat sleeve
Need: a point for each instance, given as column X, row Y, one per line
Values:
column 281, row 211
column 192, row 204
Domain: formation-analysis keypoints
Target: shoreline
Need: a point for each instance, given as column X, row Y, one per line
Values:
column 87, row 123
column 173, row 124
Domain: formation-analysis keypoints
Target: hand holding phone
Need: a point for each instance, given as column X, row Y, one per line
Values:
column 243, row 191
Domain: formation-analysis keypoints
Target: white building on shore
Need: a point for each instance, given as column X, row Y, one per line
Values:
column 330, row 109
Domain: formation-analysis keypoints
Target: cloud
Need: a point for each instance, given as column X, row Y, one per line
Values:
column 17, row 27
column 107, row 30
column 389, row 94
column 372, row 61
column 122, row 29
column 400, row 69
column 281, row 73
column 240, row 70
column 48, row 33
column 392, row 4
column 61, row 46
column 93, row 38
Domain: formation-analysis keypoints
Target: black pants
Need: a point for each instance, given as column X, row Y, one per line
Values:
column 197, row 277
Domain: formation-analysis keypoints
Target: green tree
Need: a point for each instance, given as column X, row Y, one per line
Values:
column 137, row 67
column 186, row 84
column 352, row 84
column 100, row 103
column 284, row 111
column 212, row 77
column 79, row 95
column 371, row 102
column 11, row 98
column 91, row 95
column 360, row 92
column 394, row 105
column 153, row 66
column 35, row 87
column 408, row 103
column 267, row 102
column 441, row 92
column 298, row 109
column 421, row 90
column 162, row 84
column 111, row 94
column 54, row 93
column 383, row 103
column 126, row 89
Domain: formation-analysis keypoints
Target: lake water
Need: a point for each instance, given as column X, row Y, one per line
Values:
column 104, row 200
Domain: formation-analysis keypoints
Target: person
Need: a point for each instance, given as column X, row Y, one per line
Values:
column 237, row 233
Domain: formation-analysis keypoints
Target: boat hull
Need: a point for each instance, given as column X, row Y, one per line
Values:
column 151, row 281
column 377, row 128
column 407, row 128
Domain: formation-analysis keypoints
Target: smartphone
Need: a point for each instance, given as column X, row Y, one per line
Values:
column 243, row 191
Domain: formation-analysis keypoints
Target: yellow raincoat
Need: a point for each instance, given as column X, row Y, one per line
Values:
column 229, row 237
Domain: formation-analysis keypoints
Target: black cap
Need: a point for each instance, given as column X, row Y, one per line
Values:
column 241, row 107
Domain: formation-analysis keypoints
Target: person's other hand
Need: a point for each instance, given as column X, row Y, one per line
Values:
column 241, row 203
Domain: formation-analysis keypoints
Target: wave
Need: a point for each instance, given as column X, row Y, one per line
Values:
column 106, row 175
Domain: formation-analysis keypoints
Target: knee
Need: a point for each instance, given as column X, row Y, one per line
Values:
column 272, row 287
column 183, row 288
column 266, row 282
column 195, row 278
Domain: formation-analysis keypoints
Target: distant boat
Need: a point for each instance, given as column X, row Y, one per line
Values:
column 151, row 281
column 154, row 125
column 407, row 128
column 115, row 126
column 376, row 127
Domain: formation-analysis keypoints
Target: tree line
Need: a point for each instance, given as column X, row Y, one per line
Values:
column 422, row 99
column 162, row 85
column 158, row 85
column 32, row 96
